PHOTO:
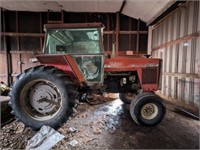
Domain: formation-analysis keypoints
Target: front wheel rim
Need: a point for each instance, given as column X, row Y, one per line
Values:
column 149, row 111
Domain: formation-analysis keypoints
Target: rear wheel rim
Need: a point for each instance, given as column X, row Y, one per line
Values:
column 149, row 111
column 130, row 96
column 41, row 100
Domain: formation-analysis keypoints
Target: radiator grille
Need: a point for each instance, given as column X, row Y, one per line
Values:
column 149, row 76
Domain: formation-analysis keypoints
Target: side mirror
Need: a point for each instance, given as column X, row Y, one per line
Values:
column 108, row 56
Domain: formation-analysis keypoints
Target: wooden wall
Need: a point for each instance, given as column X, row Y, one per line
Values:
column 22, row 33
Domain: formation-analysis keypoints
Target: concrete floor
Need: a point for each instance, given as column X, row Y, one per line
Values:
column 109, row 126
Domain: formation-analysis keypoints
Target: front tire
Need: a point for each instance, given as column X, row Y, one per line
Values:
column 147, row 109
column 43, row 96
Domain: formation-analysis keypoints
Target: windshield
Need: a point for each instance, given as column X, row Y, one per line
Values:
column 73, row 41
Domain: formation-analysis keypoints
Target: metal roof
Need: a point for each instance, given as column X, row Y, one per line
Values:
column 146, row 10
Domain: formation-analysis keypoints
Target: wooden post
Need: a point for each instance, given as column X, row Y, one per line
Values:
column 62, row 16
column 129, row 36
column 138, row 36
column 20, row 63
column 41, row 27
column 6, row 50
column 108, row 27
column 117, row 33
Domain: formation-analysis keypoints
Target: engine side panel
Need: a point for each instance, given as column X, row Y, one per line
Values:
column 148, row 70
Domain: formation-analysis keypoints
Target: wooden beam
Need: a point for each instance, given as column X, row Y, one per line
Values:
column 23, row 52
column 122, row 6
column 22, row 34
column 133, row 32
column 179, row 40
column 185, row 75
column 42, row 34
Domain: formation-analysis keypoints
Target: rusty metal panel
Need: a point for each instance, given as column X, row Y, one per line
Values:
column 175, row 22
column 167, row 86
column 169, row 29
column 196, row 14
column 196, row 50
column 189, row 61
column 173, row 58
column 197, row 92
column 167, row 59
column 159, row 36
column 165, row 31
column 182, row 22
column 180, row 58
column 161, row 28
column 191, row 18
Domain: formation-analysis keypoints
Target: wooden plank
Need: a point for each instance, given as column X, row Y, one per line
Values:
column 184, row 75
column 22, row 51
column 22, row 34
column 179, row 40
column 126, row 32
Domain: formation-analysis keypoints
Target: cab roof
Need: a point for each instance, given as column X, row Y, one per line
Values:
column 73, row 25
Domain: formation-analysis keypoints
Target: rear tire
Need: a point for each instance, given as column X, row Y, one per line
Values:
column 147, row 109
column 127, row 97
column 43, row 96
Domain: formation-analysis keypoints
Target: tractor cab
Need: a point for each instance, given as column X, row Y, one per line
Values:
column 83, row 42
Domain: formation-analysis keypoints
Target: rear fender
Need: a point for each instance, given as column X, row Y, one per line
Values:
column 63, row 62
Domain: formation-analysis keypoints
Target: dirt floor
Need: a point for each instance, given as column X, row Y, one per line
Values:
column 109, row 126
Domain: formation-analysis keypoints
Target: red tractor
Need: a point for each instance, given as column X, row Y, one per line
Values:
column 74, row 64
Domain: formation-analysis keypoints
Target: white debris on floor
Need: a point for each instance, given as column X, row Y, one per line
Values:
column 44, row 139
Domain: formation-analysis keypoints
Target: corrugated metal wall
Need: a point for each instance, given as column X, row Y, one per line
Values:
column 176, row 40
